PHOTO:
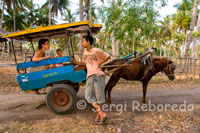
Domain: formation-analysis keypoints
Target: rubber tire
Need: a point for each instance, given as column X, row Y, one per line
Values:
column 70, row 92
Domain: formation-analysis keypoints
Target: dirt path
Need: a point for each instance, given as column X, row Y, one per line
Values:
column 26, row 112
column 30, row 107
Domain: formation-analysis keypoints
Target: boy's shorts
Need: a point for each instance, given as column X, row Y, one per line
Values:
column 94, row 91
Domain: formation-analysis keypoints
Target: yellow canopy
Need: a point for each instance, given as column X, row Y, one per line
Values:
column 54, row 31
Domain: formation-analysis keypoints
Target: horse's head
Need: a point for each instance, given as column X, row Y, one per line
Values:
column 169, row 69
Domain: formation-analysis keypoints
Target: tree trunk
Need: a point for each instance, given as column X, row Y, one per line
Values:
column 164, row 48
column 81, row 9
column 183, row 49
column 49, row 12
column 113, row 39
column 168, row 52
column 81, row 36
column 189, row 39
column 133, row 47
column 90, row 8
column 117, row 47
column 113, row 45
column 59, row 42
column 2, row 15
column 173, row 47
column 161, row 51
column 149, row 42
column 194, row 45
column 14, row 23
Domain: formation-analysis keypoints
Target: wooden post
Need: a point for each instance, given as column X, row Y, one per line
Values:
column 180, row 67
column 194, row 70
column 14, row 51
column 32, row 46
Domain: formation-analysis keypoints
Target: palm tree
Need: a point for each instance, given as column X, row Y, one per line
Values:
column 17, row 6
column 8, row 23
column 180, row 23
column 57, row 6
column 163, row 33
column 194, row 45
column 189, row 39
column 70, row 17
column 32, row 13
column 185, row 8
column 185, row 5
column 42, row 17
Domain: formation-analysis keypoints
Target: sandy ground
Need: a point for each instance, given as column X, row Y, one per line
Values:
column 26, row 112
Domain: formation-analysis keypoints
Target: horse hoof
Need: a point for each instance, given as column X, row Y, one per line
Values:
column 108, row 101
column 144, row 101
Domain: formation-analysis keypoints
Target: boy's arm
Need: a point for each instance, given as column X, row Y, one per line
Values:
column 37, row 58
column 103, row 55
column 78, row 62
column 106, row 59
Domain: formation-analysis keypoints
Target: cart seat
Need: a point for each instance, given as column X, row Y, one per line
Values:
column 23, row 66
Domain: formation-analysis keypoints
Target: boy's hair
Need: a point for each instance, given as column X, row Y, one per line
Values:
column 59, row 49
column 89, row 38
column 41, row 41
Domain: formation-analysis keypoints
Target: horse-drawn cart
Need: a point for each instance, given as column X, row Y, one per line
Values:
column 64, row 81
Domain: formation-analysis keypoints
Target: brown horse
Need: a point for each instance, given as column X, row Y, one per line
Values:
column 138, row 71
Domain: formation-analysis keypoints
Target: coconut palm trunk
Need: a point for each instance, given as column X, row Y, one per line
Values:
column 183, row 48
column 14, row 21
column 161, row 51
column 81, row 36
column 189, row 39
column 194, row 45
column 81, row 10
column 113, row 38
column 49, row 12
column 2, row 14
column 164, row 49
column 174, row 48
column 90, row 9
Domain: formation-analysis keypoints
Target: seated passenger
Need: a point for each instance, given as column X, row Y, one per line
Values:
column 39, row 55
column 59, row 54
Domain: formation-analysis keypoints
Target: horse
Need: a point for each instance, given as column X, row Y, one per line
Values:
column 139, row 71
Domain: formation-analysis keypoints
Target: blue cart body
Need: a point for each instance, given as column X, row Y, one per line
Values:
column 40, row 79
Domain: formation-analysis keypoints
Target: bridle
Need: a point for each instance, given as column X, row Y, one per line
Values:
column 169, row 67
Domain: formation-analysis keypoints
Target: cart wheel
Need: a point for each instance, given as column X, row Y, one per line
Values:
column 61, row 98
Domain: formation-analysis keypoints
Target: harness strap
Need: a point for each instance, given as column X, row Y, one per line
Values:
column 150, row 68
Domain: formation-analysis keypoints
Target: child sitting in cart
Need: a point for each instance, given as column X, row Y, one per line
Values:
column 95, row 84
column 59, row 54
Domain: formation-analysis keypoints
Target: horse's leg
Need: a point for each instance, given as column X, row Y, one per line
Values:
column 111, row 83
column 144, row 84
